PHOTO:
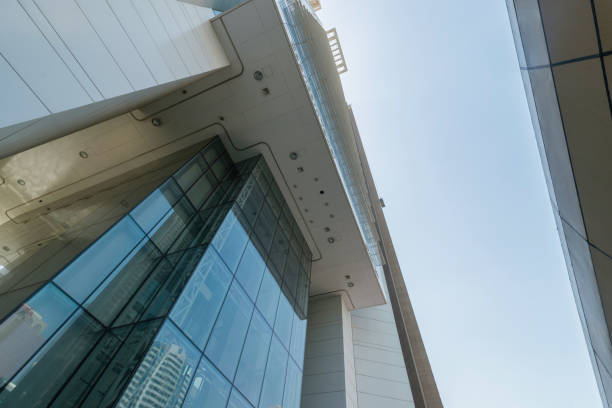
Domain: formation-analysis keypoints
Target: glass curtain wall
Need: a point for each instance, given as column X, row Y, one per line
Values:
column 197, row 297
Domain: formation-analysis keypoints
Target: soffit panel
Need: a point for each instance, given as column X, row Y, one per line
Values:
column 275, row 123
column 603, row 10
column 588, row 127
column 570, row 29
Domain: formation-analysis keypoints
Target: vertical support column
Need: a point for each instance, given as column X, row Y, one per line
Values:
column 329, row 372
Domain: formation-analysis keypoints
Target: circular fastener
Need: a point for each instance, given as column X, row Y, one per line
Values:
column 326, row 229
column 156, row 121
column 293, row 156
column 321, row 192
column 21, row 182
column 331, row 240
column 347, row 277
column 258, row 75
column 300, row 169
column 83, row 154
column 350, row 284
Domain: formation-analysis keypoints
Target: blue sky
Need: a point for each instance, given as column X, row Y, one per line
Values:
column 439, row 101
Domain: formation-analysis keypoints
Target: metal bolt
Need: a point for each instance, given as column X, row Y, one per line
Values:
column 156, row 121
column 293, row 156
column 83, row 154
column 258, row 75
column 21, row 182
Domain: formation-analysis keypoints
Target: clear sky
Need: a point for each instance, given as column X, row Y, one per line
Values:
column 440, row 104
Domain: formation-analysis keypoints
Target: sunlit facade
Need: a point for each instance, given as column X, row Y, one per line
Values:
column 189, row 218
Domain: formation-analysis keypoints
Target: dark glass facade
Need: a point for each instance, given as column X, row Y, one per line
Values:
column 197, row 297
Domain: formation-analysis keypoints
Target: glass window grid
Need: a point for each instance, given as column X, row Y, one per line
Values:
column 131, row 326
column 80, row 306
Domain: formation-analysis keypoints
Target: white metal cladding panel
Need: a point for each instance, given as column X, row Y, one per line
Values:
column 71, row 24
column 380, row 372
column 332, row 399
column 29, row 53
column 372, row 353
column 22, row 103
column 102, row 19
column 70, row 53
column 376, row 401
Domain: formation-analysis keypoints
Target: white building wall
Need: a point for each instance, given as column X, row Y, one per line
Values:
column 57, row 55
column 380, row 372
column 329, row 379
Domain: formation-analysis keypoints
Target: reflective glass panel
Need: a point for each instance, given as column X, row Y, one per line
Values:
column 76, row 390
column 114, row 293
column 272, row 390
column 42, row 377
column 238, row 401
column 202, row 189
column 209, row 388
column 86, row 272
column 253, row 360
column 228, row 335
column 293, row 386
column 230, row 240
column 164, row 374
column 30, row 326
column 117, row 374
column 250, row 270
column 156, row 205
column 204, row 292
column 298, row 340
column 170, row 227
column 190, row 172
column 284, row 321
column 267, row 299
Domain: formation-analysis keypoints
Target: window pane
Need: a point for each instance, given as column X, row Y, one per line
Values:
column 158, row 203
column 190, row 172
column 253, row 360
column 86, row 272
column 265, row 226
column 209, row 388
column 164, row 374
column 86, row 376
column 30, row 326
column 298, row 339
column 174, row 222
column 272, row 390
column 202, row 189
column 250, row 200
column 110, row 298
column 227, row 338
column 238, row 401
column 106, row 390
column 250, row 270
column 212, row 151
column 293, row 386
column 139, row 303
column 278, row 252
column 267, row 299
column 291, row 274
column 284, row 321
column 42, row 377
column 230, row 240
column 221, row 166
column 172, row 288
column 204, row 293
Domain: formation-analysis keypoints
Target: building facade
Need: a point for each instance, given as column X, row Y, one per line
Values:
column 189, row 218
column 564, row 51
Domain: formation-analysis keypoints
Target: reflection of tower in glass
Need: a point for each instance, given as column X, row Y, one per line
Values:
column 22, row 333
column 161, row 380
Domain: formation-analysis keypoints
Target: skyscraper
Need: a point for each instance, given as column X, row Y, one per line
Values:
column 564, row 52
column 189, row 209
